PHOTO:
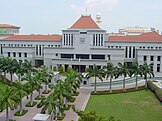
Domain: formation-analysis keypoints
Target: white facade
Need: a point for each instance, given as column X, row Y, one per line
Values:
column 80, row 48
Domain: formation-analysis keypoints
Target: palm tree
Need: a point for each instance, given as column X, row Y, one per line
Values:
column 135, row 70
column 8, row 99
column 21, row 92
column 96, row 73
column 39, row 76
column 123, row 70
column 32, row 84
column 4, row 66
column 61, row 93
column 110, row 71
column 50, row 104
column 46, row 77
column 146, row 70
column 20, row 71
column 13, row 67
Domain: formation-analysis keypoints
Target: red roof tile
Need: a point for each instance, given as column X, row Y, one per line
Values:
column 85, row 22
column 8, row 26
column 33, row 37
column 146, row 37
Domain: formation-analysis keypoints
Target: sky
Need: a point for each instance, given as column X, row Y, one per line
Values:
column 53, row 16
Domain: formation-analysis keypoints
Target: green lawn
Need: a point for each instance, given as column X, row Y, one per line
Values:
column 132, row 106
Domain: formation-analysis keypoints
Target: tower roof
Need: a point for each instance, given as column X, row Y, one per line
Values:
column 85, row 22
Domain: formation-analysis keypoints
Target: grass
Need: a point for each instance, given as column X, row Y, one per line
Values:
column 132, row 106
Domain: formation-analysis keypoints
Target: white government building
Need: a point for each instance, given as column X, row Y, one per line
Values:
column 82, row 45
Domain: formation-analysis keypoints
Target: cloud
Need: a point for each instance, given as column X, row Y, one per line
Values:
column 95, row 4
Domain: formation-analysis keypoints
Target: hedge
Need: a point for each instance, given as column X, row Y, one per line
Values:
column 156, row 90
column 117, row 91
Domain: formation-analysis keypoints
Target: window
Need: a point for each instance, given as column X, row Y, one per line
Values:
column 130, row 52
column 126, row 53
column 56, row 54
column 25, row 55
column 83, row 32
column 134, row 52
column 98, row 56
column 82, row 56
column 36, row 49
column 9, row 54
column 14, row 54
column 151, row 58
column 158, row 67
column 151, row 66
column 108, row 57
column 72, row 39
column 158, row 58
column 40, row 50
column 144, row 58
column 19, row 54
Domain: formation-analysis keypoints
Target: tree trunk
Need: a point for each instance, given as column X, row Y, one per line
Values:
column 11, row 77
column 4, row 76
column 145, row 81
column 95, row 85
column 39, row 93
column 7, row 118
column 65, row 101
column 0, row 73
column 21, row 107
column 110, row 84
column 124, row 84
column 31, row 98
column 45, row 87
column 136, row 82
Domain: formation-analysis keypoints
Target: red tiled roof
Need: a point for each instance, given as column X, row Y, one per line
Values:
column 8, row 26
column 85, row 22
column 145, row 37
column 33, row 37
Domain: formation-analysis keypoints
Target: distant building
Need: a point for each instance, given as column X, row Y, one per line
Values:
column 129, row 31
column 8, row 30
column 84, row 44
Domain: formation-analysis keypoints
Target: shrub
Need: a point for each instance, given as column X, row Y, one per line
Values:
column 72, row 99
column 46, row 91
column 54, row 68
column 67, row 108
column 76, row 94
column 39, row 98
column 69, row 69
column 12, row 120
column 61, row 117
column 156, row 90
column 39, row 105
column 61, row 69
column 20, row 114
column 31, row 104
column 86, row 69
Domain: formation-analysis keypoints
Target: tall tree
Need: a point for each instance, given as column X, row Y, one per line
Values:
column 146, row 70
column 110, row 71
column 22, row 91
column 123, row 70
column 135, row 70
column 8, row 99
column 96, row 73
